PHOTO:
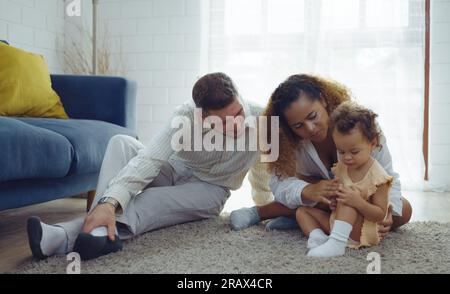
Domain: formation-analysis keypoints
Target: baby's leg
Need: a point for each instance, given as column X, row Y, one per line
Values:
column 346, row 217
column 313, row 223
column 351, row 216
column 310, row 218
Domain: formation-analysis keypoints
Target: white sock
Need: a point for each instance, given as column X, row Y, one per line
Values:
column 316, row 237
column 336, row 243
column 54, row 240
column 101, row 231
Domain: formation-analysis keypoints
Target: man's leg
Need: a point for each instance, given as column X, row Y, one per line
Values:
column 97, row 242
column 170, row 199
column 46, row 240
column 159, row 207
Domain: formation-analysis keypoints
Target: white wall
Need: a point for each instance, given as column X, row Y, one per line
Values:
column 160, row 42
column 440, row 95
column 36, row 26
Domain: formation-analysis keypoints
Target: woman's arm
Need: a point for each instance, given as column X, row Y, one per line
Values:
column 259, row 176
column 383, row 156
column 309, row 179
column 288, row 191
column 294, row 192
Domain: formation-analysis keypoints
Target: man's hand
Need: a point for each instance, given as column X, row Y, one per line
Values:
column 350, row 196
column 321, row 191
column 385, row 226
column 101, row 215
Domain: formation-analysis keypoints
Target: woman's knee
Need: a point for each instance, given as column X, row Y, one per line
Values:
column 399, row 221
column 407, row 209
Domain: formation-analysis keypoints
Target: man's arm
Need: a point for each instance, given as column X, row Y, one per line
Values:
column 134, row 177
column 142, row 169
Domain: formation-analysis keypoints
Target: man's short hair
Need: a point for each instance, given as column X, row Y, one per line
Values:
column 214, row 91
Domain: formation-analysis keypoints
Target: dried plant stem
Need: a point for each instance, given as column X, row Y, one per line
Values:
column 77, row 55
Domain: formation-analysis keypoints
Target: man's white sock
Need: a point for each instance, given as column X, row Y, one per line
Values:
column 101, row 231
column 336, row 243
column 316, row 238
column 54, row 240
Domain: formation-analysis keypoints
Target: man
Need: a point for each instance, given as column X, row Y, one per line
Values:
column 145, row 188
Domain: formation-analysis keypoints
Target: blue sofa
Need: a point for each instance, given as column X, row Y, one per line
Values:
column 44, row 159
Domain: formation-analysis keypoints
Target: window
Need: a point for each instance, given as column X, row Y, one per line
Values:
column 375, row 47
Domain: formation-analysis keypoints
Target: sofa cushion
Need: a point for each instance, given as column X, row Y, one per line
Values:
column 25, row 85
column 88, row 138
column 32, row 152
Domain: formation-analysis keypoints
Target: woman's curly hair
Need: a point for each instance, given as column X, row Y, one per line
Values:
column 315, row 88
column 349, row 115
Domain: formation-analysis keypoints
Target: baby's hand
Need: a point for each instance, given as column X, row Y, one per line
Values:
column 333, row 203
column 350, row 196
column 333, row 199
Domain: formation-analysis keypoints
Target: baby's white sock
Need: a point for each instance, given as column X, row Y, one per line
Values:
column 316, row 237
column 54, row 240
column 336, row 243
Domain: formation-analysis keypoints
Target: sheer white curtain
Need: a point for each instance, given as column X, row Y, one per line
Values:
column 375, row 47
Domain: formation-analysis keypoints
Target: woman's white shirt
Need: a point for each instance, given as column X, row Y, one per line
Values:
column 288, row 191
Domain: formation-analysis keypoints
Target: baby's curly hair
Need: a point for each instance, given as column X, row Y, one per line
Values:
column 349, row 115
column 315, row 88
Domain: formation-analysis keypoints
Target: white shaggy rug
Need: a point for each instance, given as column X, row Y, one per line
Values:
column 211, row 247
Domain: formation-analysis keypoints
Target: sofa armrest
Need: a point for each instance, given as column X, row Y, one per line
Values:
column 110, row 99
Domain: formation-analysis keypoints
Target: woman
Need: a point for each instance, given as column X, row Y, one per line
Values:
column 301, row 175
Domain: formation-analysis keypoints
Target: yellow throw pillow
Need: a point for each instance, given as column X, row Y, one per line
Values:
column 25, row 86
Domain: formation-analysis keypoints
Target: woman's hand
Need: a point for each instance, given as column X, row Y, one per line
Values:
column 322, row 191
column 385, row 226
column 350, row 196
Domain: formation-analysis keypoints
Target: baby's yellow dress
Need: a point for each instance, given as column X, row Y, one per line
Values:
column 375, row 176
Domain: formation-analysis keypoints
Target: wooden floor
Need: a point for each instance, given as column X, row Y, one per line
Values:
column 14, row 248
